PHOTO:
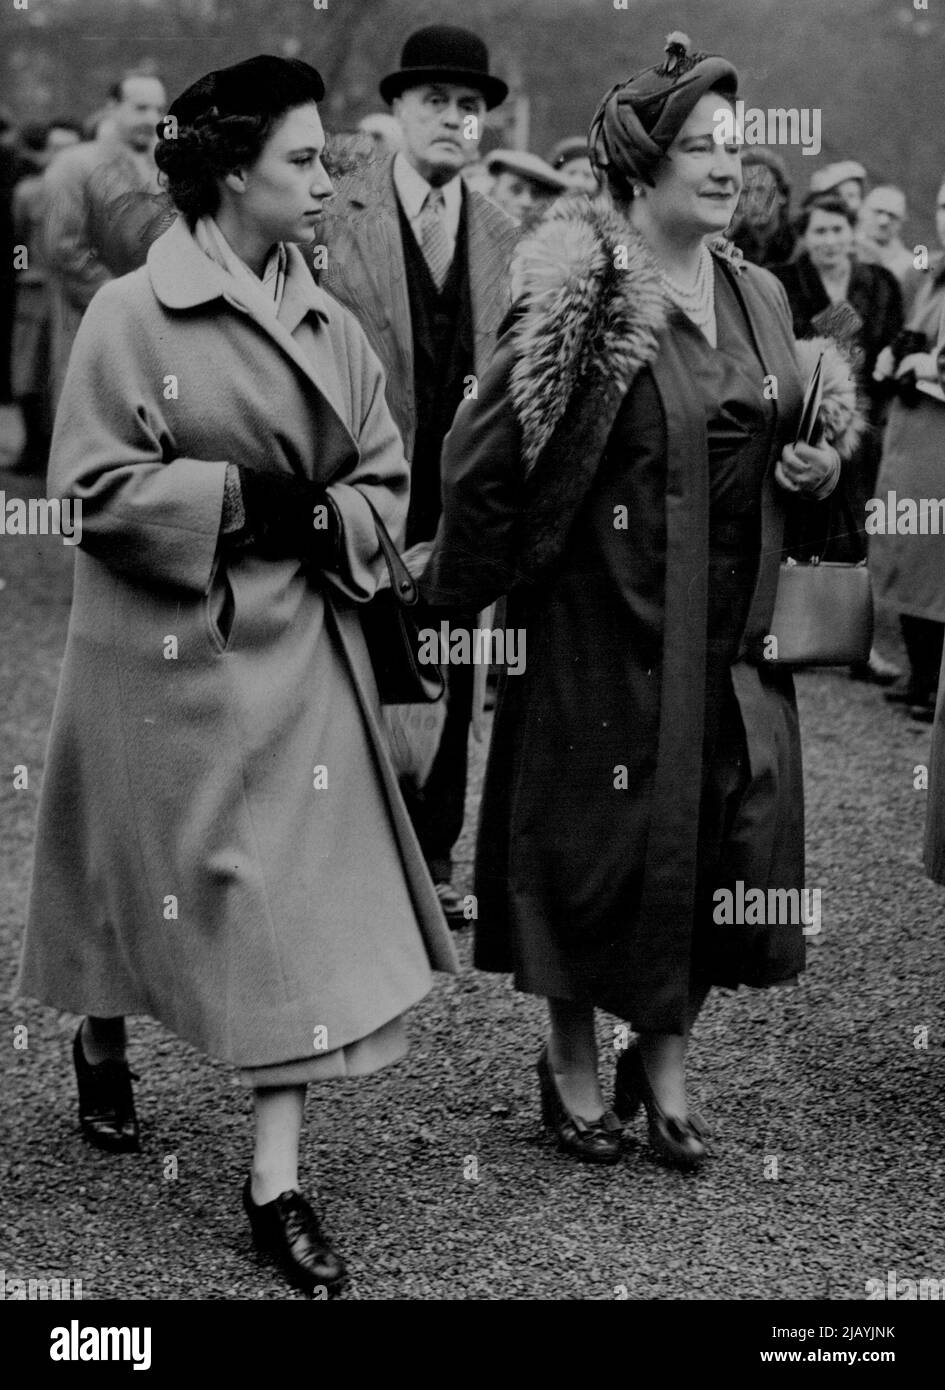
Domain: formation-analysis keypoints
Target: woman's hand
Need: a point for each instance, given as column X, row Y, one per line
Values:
column 922, row 363
column 803, row 468
column 415, row 559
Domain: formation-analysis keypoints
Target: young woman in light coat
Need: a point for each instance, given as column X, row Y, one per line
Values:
column 221, row 841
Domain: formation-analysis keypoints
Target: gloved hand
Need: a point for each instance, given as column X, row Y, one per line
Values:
column 288, row 516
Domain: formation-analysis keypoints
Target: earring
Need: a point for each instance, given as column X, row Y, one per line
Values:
column 638, row 190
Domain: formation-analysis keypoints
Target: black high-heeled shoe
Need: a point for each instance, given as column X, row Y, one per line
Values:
column 593, row 1141
column 288, row 1228
column 106, row 1102
column 680, row 1142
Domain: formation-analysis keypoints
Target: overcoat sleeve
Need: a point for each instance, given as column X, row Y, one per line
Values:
column 381, row 472
column 152, row 517
column 474, row 559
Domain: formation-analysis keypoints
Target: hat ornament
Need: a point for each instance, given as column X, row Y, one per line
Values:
column 680, row 58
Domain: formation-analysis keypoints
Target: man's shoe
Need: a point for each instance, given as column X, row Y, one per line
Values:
column 288, row 1228
column 106, row 1102
column 452, row 905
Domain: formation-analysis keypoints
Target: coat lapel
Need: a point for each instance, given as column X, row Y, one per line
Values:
column 773, row 339
column 184, row 278
column 490, row 238
column 366, row 240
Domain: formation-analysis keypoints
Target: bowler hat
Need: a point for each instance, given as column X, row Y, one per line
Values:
column 443, row 53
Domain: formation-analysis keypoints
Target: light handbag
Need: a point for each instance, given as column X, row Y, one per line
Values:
column 823, row 614
column 823, row 610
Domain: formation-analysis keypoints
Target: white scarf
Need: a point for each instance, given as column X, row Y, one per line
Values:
column 261, row 296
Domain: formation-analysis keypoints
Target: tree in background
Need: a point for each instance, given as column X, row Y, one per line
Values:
column 873, row 67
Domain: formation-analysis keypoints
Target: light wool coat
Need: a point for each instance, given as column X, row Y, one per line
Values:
column 221, row 841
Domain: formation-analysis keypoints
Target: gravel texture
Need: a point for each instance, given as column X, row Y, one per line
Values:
column 434, row 1177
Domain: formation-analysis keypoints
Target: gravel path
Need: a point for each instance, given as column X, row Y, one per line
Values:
column 435, row 1177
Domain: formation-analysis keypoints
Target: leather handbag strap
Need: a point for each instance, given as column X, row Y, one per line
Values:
column 402, row 582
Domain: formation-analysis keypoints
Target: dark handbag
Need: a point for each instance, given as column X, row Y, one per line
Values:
column 392, row 633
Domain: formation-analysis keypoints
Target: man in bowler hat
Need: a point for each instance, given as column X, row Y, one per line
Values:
column 422, row 262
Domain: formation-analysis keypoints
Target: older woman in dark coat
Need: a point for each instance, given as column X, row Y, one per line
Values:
column 623, row 477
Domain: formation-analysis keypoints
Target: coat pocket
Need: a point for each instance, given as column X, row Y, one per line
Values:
column 221, row 607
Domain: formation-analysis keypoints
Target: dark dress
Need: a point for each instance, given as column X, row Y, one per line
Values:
column 622, row 787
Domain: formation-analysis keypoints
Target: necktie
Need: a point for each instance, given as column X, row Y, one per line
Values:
column 434, row 238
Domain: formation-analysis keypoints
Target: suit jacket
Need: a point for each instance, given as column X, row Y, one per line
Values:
column 367, row 273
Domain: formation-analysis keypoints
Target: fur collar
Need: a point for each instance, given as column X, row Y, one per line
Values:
column 591, row 301
column 589, row 294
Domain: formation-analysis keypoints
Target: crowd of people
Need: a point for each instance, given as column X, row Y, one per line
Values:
column 645, row 758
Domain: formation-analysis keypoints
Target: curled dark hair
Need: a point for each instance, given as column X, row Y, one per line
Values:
column 223, row 122
column 823, row 202
column 193, row 159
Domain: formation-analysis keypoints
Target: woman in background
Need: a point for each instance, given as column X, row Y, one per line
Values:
column 907, row 570
column 827, row 285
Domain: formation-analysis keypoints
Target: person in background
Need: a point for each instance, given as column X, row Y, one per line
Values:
column 384, row 130
column 476, row 178
column 761, row 227
column 11, row 170
column 423, row 263
column 31, row 361
column 86, row 189
column 878, row 239
column 523, row 185
column 825, row 278
column 907, row 570
column 571, row 158
column 845, row 180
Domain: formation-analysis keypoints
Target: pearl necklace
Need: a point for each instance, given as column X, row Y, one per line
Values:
column 697, row 303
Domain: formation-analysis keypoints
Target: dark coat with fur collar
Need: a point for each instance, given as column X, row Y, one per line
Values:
column 585, row 890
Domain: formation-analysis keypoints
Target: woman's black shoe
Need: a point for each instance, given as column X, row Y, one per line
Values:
column 593, row 1141
column 680, row 1142
column 289, row 1229
column 106, row 1102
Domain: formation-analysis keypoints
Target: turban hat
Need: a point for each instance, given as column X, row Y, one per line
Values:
column 639, row 119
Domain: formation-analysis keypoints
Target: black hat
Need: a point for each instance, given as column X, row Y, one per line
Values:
column 261, row 85
column 442, row 53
